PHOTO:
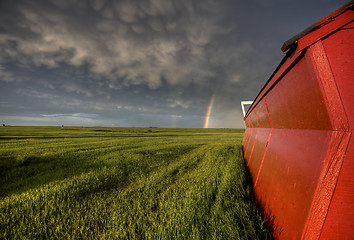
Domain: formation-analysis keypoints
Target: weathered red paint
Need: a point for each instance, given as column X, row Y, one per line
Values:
column 298, row 144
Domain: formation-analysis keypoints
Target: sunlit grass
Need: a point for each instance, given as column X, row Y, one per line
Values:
column 125, row 183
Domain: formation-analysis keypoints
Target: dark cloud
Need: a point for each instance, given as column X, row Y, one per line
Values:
column 140, row 63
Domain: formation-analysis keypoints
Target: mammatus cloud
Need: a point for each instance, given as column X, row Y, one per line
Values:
column 126, row 42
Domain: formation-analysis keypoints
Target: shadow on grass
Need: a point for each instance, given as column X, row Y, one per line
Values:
column 269, row 220
column 28, row 172
column 22, row 173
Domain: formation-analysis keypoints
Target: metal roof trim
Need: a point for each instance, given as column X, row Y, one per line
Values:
column 292, row 42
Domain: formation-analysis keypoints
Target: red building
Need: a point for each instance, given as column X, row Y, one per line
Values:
column 298, row 143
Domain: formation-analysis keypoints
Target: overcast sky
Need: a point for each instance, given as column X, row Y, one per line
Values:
column 142, row 62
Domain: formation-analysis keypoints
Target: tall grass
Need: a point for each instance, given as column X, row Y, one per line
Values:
column 120, row 183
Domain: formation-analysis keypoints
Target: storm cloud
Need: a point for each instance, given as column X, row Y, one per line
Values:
column 141, row 62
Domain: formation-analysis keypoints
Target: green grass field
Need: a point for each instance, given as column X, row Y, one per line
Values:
column 125, row 183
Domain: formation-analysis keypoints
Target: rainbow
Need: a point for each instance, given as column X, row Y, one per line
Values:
column 207, row 116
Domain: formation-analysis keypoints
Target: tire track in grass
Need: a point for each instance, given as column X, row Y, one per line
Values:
column 144, row 196
column 182, row 206
column 58, row 194
column 32, row 170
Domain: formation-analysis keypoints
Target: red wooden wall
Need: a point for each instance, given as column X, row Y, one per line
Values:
column 298, row 144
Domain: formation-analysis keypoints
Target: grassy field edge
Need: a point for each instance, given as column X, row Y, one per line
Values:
column 161, row 184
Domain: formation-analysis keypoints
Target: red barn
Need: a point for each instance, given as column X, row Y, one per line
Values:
column 298, row 143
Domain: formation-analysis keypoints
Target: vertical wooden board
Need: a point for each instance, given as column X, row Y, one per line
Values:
column 326, row 185
column 339, row 48
column 261, row 141
column 289, row 176
column 254, row 119
column 246, row 136
column 248, row 146
column 258, row 152
column 252, row 138
column 317, row 58
column 296, row 102
column 339, row 222
column 262, row 115
column 318, row 61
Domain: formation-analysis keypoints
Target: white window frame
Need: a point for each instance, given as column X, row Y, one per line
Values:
column 243, row 103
